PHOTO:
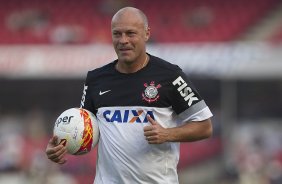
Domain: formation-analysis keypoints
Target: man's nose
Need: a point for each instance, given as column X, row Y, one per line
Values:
column 123, row 39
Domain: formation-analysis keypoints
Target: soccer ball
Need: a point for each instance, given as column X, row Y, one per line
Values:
column 78, row 129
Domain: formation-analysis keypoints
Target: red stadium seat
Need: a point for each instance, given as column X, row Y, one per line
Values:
column 171, row 21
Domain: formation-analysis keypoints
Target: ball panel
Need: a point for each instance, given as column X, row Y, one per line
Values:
column 71, row 144
column 79, row 127
column 87, row 134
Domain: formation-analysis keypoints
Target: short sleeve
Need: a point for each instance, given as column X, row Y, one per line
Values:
column 186, row 101
column 183, row 95
column 86, row 101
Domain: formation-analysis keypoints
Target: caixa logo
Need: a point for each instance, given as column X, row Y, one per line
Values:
column 127, row 116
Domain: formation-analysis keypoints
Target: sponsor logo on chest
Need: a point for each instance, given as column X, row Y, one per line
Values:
column 127, row 116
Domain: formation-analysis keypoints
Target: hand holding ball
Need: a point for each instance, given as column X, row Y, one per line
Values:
column 78, row 129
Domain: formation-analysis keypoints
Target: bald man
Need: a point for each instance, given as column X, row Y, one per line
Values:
column 145, row 107
column 130, row 32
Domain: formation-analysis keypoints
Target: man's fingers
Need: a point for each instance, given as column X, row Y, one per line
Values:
column 151, row 138
column 55, row 152
column 148, row 128
column 153, row 122
column 62, row 155
column 53, row 140
column 149, row 133
column 54, row 149
column 153, row 132
column 152, row 126
column 60, row 159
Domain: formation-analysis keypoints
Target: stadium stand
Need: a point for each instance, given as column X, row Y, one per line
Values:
column 71, row 22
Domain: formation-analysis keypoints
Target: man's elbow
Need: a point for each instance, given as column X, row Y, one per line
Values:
column 208, row 130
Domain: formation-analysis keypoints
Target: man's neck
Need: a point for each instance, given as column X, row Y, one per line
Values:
column 132, row 67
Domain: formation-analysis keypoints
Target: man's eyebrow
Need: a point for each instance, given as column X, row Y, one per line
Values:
column 126, row 30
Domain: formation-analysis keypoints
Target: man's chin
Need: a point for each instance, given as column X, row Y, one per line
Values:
column 125, row 58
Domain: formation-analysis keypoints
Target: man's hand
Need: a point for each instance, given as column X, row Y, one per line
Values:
column 155, row 133
column 54, row 152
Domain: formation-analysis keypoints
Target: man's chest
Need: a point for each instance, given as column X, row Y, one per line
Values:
column 147, row 91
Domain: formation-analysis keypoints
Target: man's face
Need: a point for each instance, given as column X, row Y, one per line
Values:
column 129, row 37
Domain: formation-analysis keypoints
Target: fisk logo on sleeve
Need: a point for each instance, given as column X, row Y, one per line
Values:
column 184, row 90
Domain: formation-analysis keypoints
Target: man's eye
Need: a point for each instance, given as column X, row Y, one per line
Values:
column 116, row 34
column 131, row 33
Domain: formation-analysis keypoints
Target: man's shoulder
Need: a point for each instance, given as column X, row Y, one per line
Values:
column 164, row 65
column 104, row 68
column 107, row 68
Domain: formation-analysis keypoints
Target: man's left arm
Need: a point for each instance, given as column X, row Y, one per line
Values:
column 188, row 132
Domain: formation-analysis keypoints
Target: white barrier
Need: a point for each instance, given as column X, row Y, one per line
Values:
column 231, row 60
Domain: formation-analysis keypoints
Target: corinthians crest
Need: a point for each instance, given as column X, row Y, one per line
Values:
column 151, row 93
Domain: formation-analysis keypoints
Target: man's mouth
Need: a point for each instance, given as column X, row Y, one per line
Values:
column 124, row 49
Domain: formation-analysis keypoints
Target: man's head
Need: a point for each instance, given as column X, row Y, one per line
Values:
column 130, row 32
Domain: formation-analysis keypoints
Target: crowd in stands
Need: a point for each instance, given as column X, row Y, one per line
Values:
column 88, row 21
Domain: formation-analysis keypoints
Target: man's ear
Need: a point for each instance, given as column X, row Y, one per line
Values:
column 148, row 33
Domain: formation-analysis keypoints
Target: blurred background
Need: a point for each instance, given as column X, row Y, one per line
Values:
column 231, row 49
